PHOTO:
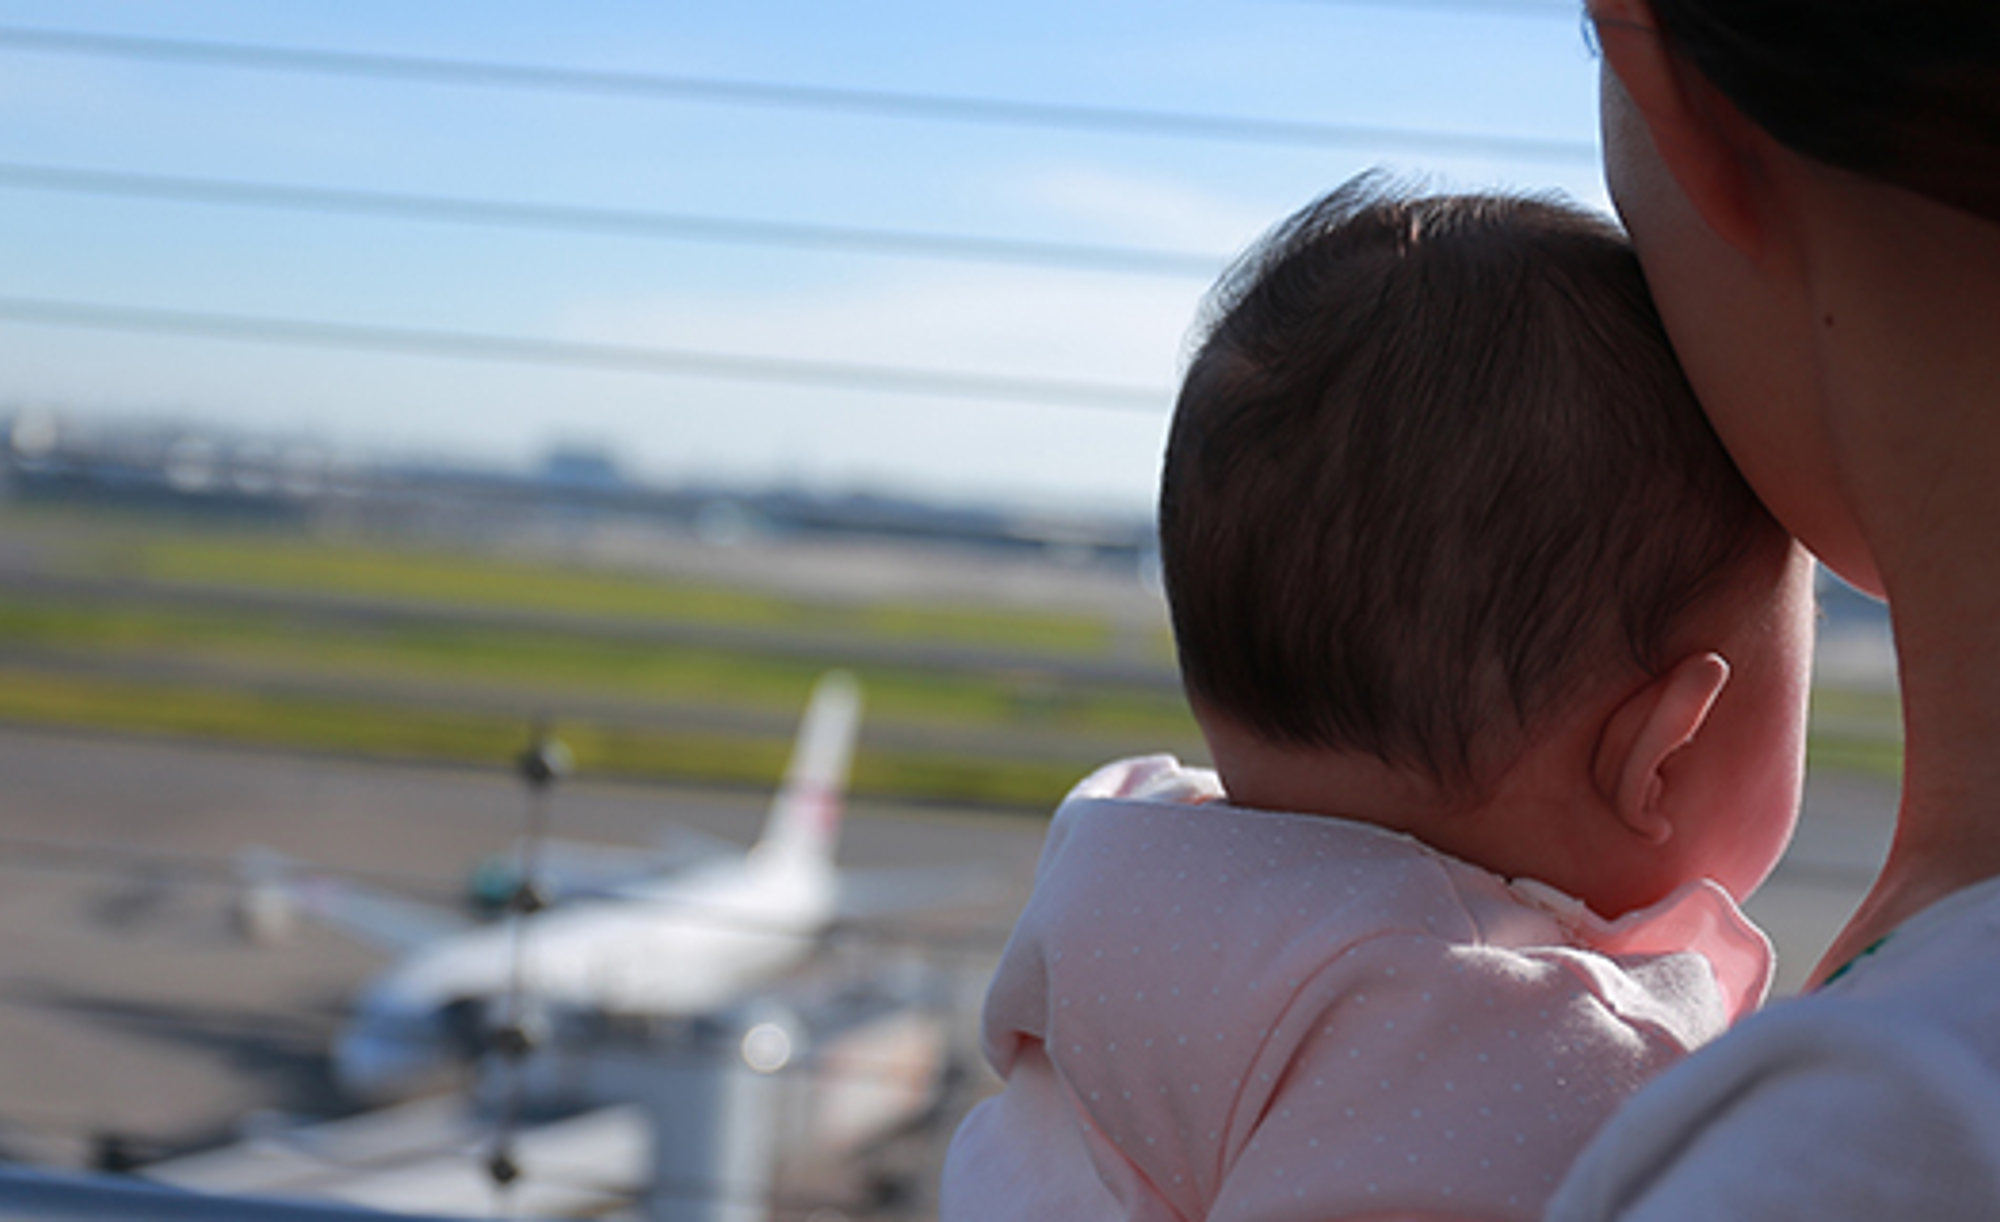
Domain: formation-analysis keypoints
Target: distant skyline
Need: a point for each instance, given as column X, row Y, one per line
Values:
column 785, row 277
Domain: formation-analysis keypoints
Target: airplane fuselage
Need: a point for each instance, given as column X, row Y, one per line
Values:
column 671, row 949
column 664, row 947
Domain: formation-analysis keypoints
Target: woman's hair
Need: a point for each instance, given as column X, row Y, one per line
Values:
column 1906, row 91
column 1432, row 470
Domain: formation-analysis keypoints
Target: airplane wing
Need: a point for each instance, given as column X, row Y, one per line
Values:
column 375, row 917
column 570, row 869
column 272, row 890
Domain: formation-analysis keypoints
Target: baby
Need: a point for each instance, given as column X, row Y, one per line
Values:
column 1503, row 669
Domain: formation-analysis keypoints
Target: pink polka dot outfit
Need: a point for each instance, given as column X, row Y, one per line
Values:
column 1208, row 1012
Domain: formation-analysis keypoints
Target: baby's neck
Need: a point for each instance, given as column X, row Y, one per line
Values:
column 1261, row 775
column 1520, row 828
column 1362, row 789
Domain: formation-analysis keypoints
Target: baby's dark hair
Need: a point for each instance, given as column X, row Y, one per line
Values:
column 1432, row 466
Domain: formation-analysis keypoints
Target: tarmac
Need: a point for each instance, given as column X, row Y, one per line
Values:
column 132, row 1012
column 135, row 1022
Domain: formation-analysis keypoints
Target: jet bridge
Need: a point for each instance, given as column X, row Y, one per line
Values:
column 785, row 1099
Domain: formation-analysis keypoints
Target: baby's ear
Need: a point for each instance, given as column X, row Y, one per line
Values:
column 1656, row 721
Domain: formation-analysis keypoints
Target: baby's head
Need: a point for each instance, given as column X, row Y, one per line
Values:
column 1450, row 547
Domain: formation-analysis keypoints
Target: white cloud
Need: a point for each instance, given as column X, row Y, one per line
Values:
column 1114, row 329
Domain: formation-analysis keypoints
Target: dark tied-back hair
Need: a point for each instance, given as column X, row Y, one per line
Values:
column 1907, row 91
column 1433, row 464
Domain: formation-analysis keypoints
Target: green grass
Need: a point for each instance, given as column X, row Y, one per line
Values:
column 1865, row 756
column 452, row 687
column 556, row 665
column 1878, row 709
column 379, row 730
column 301, row 564
column 85, row 702
column 482, row 674
column 385, row 729
column 1854, row 730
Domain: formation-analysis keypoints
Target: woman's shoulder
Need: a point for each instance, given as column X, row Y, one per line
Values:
column 1896, row 1068
column 1955, row 943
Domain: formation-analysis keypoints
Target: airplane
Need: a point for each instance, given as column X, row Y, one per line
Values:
column 675, row 944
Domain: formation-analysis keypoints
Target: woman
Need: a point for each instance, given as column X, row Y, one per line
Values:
column 1814, row 189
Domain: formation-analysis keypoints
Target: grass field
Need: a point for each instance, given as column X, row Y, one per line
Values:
column 549, row 665
column 452, row 684
column 1856, row 731
column 455, row 682
column 388, row 731
column 357, row 570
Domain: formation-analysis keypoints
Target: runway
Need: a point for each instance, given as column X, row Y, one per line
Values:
column 128, row 1007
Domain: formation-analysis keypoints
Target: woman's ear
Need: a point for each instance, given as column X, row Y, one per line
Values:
column 1704, row 142
column 1644, row 732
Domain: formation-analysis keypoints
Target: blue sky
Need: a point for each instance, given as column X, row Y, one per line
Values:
column 1511, row 69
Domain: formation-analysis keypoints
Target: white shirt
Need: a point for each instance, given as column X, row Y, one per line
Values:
column 1877, row 1097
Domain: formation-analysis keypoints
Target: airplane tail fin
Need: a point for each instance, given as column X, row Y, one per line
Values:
column 804, row 823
